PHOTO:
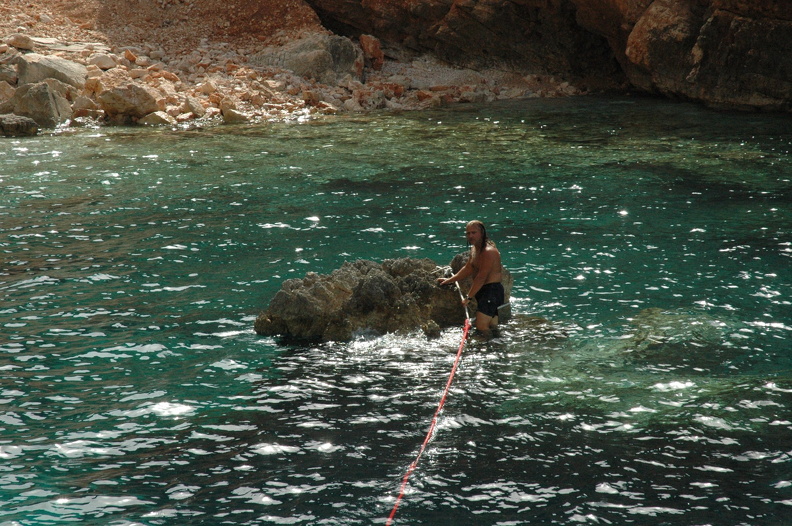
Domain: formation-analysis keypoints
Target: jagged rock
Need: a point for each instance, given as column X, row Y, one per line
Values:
column 85, row 107
column 326, row 58
column 84, row 103
column 34, row 68
column 44, row 102
column 17, row 126
column 372, row 50
column 102, row 61
column 157, row 118
column 130, row 56
column 128, row 101
column 207, row 87
column 138, row 73
column 233, row 116
column 67, row 91
column 364, row 296
column 194, row 106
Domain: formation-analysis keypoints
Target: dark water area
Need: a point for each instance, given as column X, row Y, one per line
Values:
column 655, row 238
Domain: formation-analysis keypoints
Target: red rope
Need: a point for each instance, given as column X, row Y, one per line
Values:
column 414, row 464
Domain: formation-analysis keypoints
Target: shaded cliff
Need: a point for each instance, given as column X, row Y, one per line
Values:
column 526, row 36
column 728, row 53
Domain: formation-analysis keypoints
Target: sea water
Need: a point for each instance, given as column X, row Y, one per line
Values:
column 645, row 376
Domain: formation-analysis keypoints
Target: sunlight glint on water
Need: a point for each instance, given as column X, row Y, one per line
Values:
column 655, row 238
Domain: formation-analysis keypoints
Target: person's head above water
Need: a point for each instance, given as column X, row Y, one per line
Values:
column 476, row 234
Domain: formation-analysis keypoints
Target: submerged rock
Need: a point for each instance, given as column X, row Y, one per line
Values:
column 364, row 296
column 656, row 331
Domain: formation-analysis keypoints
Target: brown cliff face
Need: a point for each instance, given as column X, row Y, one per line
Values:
column 729, row 53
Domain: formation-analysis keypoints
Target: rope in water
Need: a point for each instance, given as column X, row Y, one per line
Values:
column 465, row 331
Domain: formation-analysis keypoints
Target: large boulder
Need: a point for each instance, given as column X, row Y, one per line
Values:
column 33, row 68
column 128, row 101
column 44, row 102
column 326, row 58
column 364, row 296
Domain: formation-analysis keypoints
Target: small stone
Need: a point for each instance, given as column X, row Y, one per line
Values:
column 102, row 61
column 20, row 41
column 84, row 103
column 231, row 116
column 207, row 87
column 157, row 118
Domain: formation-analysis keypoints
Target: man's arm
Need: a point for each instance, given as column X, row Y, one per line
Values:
column 463, row 273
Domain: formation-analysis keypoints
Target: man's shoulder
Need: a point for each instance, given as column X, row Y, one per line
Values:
column 490, row 252
column 491, row 249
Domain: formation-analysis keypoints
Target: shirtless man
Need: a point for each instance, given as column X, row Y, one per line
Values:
column 484, row 264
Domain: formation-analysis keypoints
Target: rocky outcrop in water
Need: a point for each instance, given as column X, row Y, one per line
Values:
column 363, row 296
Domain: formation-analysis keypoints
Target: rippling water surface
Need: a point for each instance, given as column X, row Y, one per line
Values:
column 655, row 238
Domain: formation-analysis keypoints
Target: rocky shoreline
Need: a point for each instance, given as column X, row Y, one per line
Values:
column 186, row 63
column 51, row 83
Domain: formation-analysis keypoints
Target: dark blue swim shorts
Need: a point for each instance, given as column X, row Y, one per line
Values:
column 489, row 298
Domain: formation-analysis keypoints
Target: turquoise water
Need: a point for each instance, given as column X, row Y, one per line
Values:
column 655, row 238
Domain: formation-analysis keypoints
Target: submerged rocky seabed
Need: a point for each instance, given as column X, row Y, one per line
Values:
column 133, row 388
